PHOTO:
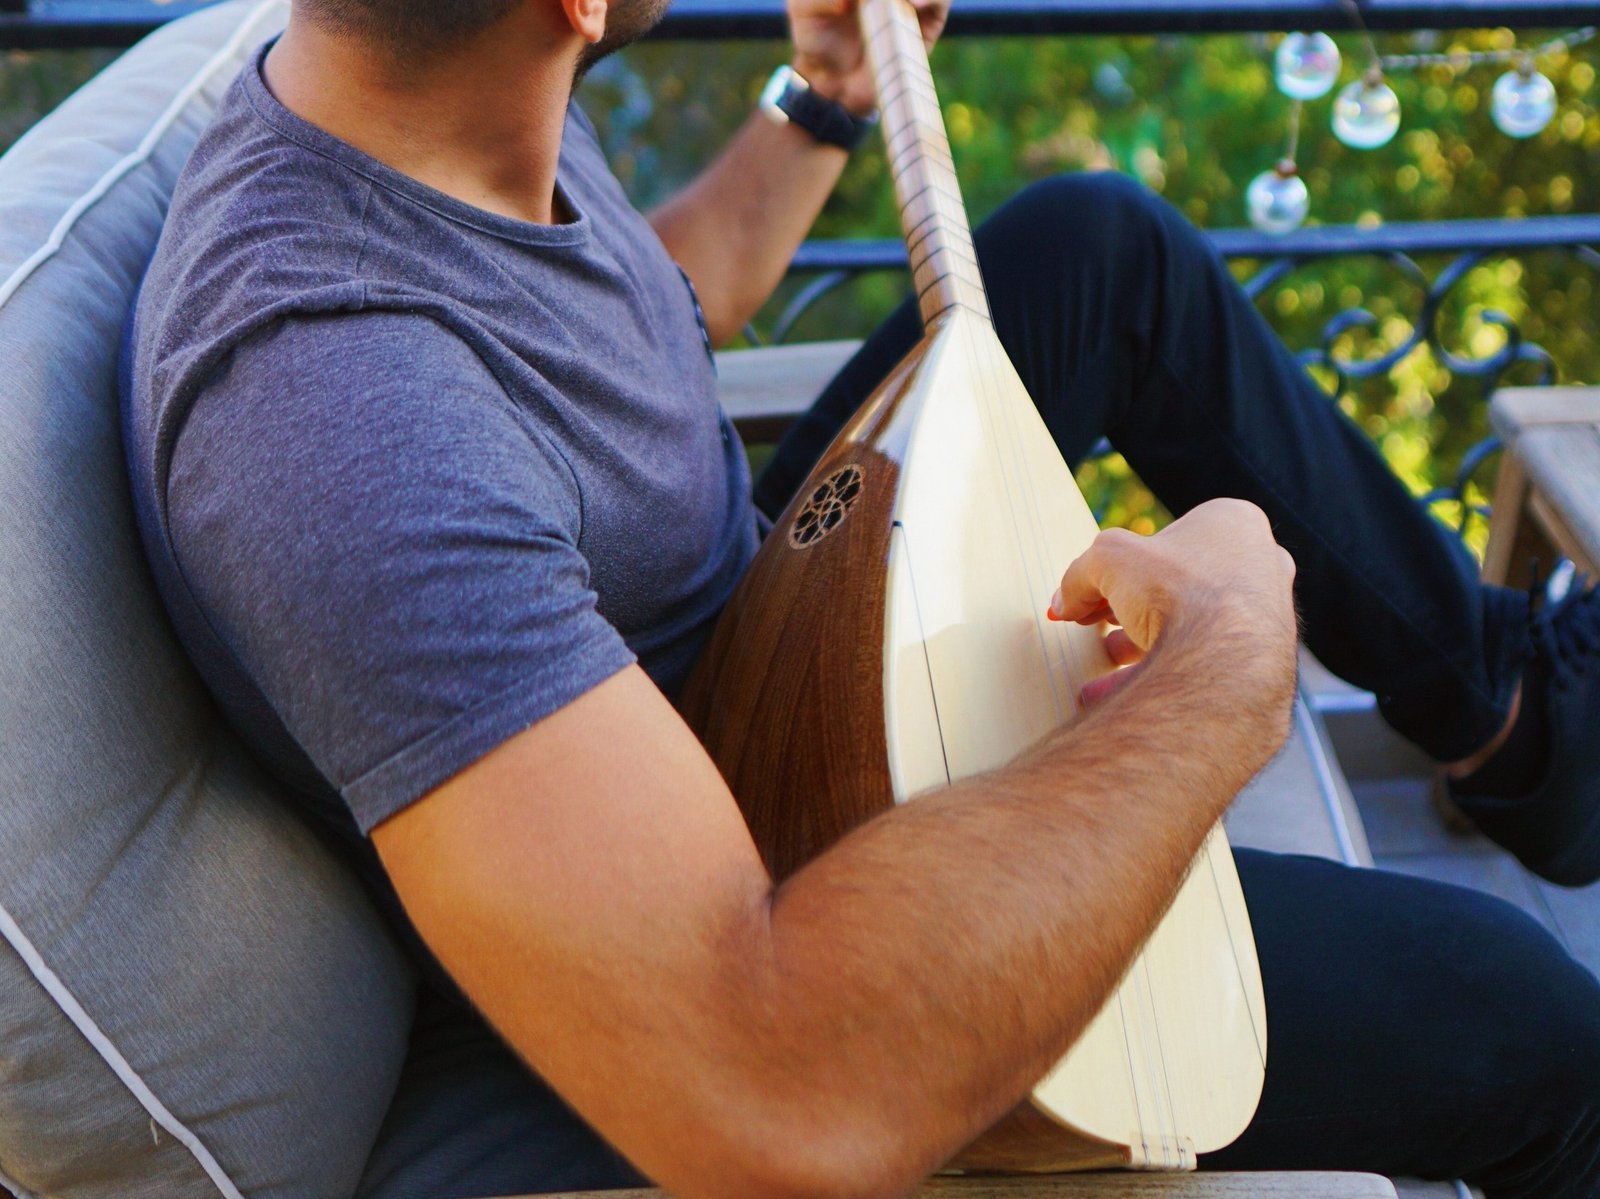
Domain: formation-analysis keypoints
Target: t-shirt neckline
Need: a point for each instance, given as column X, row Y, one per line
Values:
column 303, row 133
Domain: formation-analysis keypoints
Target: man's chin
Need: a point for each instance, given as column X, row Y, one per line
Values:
column 628, row 25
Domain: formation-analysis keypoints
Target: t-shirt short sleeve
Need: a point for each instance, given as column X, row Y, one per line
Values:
column 388, row 547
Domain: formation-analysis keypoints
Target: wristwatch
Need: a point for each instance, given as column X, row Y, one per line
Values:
column 788, row 97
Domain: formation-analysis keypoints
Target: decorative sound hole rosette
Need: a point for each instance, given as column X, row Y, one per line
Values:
column 826, row 507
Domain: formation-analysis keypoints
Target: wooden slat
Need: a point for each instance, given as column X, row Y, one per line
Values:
column 1563, row 467
column 1276, row 1185
column 1550, row 521
column 1548, row 492
column 766, row 390
column 1515, row 409
column 1506, row 524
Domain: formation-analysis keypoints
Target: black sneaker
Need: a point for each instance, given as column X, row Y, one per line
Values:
column 1555, row 828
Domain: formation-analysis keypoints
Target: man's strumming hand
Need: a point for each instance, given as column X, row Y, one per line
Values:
column 1215, row 575
column 593, row 888
column 828, row 50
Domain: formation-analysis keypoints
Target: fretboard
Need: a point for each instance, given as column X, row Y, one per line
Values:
column 944, row 267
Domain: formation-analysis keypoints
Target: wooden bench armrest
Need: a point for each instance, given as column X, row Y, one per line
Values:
column 765, row 390
column 1274, row 1185
column 1545, row 498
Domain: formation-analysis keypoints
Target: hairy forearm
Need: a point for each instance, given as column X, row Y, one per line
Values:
column 929, row 969
column 736, row 226
column 843, row 1033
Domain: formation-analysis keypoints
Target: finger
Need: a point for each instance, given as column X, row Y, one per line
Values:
column 1101, row 615
column 1079, row 598
column 931, row 17
column 1122, row 649
column 820, row 10
column 1097, row 691
column 1082, row 595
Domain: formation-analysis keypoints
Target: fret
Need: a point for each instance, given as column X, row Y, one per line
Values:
column 944, row 266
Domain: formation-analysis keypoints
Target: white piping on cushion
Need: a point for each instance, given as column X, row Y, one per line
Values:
column 73, row 1010
column 139, row 155
column 46, row 977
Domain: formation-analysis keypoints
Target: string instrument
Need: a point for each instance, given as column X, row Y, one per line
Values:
column 890, row 638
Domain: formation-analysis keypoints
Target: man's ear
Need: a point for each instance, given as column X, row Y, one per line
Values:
column 587, row 18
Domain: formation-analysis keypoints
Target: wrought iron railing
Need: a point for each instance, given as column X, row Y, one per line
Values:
column 824, row 267
column 1273, row 259
column 62, row 23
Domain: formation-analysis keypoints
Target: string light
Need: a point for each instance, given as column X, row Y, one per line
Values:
column 1277, row 199
column 1366, row 112
column 1523, row 101
column 1306, row 65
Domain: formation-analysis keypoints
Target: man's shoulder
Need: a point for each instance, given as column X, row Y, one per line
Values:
column 260, row 228
column 257, row 222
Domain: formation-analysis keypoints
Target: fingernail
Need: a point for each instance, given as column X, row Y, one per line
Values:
column 1054, row 611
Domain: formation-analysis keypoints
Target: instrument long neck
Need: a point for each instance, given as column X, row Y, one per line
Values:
column 944, row 266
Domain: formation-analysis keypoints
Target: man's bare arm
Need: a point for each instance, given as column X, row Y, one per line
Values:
column 593, row 888
column 736, row 226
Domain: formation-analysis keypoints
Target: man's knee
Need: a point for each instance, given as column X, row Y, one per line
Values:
column 1097, row 236
column 1560, row 1054
column 1529, row 1016
column 1102, row 212
column 1453, row 1007
column 1554, row 1081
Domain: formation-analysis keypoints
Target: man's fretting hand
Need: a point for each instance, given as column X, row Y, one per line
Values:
column 1214, row 573
column 828, row 51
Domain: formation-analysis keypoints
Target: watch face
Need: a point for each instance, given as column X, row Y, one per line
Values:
column 788, row 98
column 777, row 87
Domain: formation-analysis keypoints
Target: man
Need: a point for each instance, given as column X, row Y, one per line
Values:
column 424, row 436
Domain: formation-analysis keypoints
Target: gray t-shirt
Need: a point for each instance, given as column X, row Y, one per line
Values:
column 411, row 475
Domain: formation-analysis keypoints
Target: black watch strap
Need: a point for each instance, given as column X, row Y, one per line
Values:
column 789, row 97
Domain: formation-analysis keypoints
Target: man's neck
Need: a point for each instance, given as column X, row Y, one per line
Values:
column 481, row 122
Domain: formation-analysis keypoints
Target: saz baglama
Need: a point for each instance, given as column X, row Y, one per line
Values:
column 890, row 638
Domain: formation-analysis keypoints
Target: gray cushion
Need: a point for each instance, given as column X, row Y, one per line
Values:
column 196, row 999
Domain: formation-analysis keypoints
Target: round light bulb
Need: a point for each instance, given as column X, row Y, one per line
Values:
column 1366, row 114
column 1277, row 200
column 1523, row 102
column 1113, row 85
column 1306, row 65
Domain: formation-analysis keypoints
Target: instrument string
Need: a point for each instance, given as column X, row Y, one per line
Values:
column 1152, row 1102
column 1233, row 934
column 1001, row 421
column 1133, row 993
column 1005, row 437
column 942, row 252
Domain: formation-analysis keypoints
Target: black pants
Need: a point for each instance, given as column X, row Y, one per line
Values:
column 1414, row 1028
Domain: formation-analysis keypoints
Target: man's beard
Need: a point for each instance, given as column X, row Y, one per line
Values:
column 626, row 22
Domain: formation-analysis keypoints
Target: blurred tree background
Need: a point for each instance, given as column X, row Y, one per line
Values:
column 1194, row 118
column 31, row 84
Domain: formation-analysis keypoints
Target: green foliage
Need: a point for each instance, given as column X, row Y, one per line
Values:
column 32, row 84
column 1194, row 119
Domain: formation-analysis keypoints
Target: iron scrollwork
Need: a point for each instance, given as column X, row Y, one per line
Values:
column 835, row 265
